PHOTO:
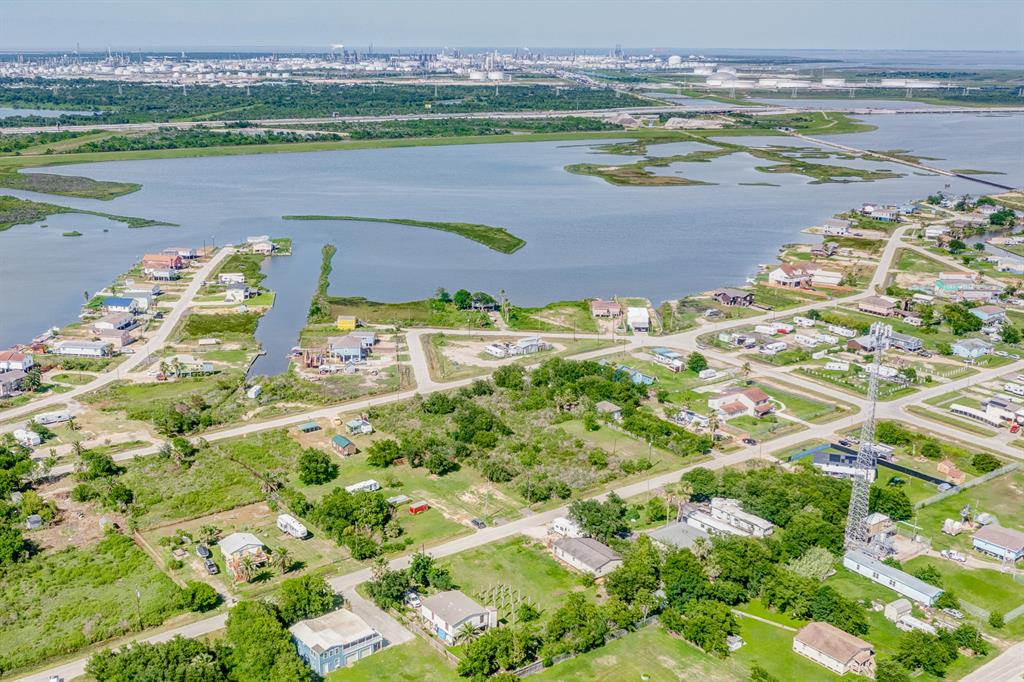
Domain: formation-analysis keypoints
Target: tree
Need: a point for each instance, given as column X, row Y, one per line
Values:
column 316, row 467
column 198, row 596
column 931, row 653
column 383, row 453
column 830, row 606
column 462, row 299
column 600, row 520
column 929, row 574
column 282, row 560
column 639, row 573
column 956, row 246
column 1009, row 334
column 208, row 533
column 996, row 620
column 510, row 377
column 891, row 501
column 387, row 588
column 696, row 363
column 439, row 464
column 887, row 670
column 704, row 483
column 707, row 624
column 967, row 636
column 261, row 647
column 931, row 450
column 307, row 596
column 442, row 295
column 33, row 379
column 177, row 660
column 466, row 634
column 247, row 567
column 759, row 674
column 960, row 319
column 985, row 463
column 816, row 562
column 13, row 547
column 684, row 578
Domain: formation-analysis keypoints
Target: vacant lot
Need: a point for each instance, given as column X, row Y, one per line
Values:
column 59, row 603
column 1002, row 497
column 222, row 326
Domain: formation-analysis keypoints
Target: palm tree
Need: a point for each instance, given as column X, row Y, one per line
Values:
column 283, row 560
column 208, row 533
column 713, row 427
column 270, row 482
column 247, row 567
column 466, row 634
column 72, row 424
column 745, row 369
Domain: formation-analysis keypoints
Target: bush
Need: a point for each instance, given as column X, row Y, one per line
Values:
column 985, row 463
column 199, row 597
column 316, row 467
column 996, row 620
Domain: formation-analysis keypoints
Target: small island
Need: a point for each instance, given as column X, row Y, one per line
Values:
column 496, row 238
column 71, row 233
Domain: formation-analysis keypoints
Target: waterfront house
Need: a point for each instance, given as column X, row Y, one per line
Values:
column 161, row 274
column 638, row 318
column 971, row 349
column 343, row 446
column 587, row 555
column 793, row 275
column 10, row 382
column 1003, row 543
column 120, row 304
column 15, row 360
column 231, row 278
column 836, row 227
column 162, row 261
column 599, row 308
column 183, row 365
column 893, row 578
column 238, row 293
column 368, row 339
column 451, row 612
column 733, row 297
column 263, row 248
column 335, row 640
column 183, row 251
column 87, row 349
column 347, row 348
column 114, row 321
column 826, row 278
column 117, row 338
column 839, row 651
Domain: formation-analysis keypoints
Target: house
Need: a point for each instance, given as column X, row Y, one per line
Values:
column 638, row 319
column 452, row 612
column 230, row 278
column 826, row 278
column 935, row 231
column 52, row 417
column 368, row 486
column 256, row 239
column 794, row 275
column 1003, row 543
column 971, row 349
column 527, row 345
column 878, row 305
column 861, row 344
column 117, row 338
column 368, row 338
column 587, row 555
column 635, row 375
column 346, row 323
column 989, row 314
column 737, row 401
column 11, row 360
column 609, row 409
column 264, row 248
column 730, row 511
column 236, row 547
column 162, row 274
column 599, row 308
column 733, row 297
column 188, row 365
column 893, row 578
column 309, row 427
column 359, row 426
column 162, row 261
column 836, row 227
column 286, row 523
column 27, row 437
column 120, row 304
column 845, row 332
column 906, row 342
column 347, row 348
column 669, row 358
column 10, row 382
column 952, row 472
column 88, row 349
column 238, row 293
column 897, row 609
column 185, row 252
column 839, row 651
column 335, row 640
column 677, row 535
column 566, row 527
column 343, row 446
column 114, row 321
column 838, row 464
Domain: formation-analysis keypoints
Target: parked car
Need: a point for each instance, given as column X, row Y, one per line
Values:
column 477, row 523
column 749, row 441
column 211, row 567
column 924, row 353
column 954, row 613
column 412, row 598
column 1001, row 353
column 202, row 551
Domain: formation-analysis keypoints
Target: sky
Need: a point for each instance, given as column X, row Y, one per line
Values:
column 595, row 24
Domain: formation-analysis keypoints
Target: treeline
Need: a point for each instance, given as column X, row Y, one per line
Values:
column 459, row 127
column 15, row 143
column 172, row 138
column 139, row 102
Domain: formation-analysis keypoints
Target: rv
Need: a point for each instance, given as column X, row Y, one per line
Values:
column 286, row 523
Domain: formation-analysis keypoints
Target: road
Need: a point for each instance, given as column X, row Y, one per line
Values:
column 141, row 355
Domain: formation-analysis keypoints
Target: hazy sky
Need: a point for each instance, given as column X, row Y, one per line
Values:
column 845, row 24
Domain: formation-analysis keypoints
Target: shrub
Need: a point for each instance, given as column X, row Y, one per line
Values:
column 199, row 596
column 316, row 467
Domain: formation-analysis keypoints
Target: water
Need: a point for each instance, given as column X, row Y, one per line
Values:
column 584, row 236
column 7, row 112
column 854, row 103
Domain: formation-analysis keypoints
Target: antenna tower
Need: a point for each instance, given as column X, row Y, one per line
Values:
column 856, row 528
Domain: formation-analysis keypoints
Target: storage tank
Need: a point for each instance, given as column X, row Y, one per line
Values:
column 477, row 75
column 833, row 82
column 495, row 75
column 675, row 60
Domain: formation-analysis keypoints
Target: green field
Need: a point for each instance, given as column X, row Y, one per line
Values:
column 1003, row 497
column 67, row 185
column 413, row 661
column 423, row 313
column 61, row 602
column 561, row 316
column 496, row 238
column 73, row 378
column 804, row 407
column 14, row 211
column 911, row 261
column 197, row 326
column 990, row 589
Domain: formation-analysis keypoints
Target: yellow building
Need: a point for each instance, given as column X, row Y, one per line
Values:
column 346, row 323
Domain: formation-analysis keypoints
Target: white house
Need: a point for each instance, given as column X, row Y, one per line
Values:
column 971, row 349
column 90, row 349
column 449, row 613
column 1002, row 543
column 844, row 332
column 367, row 486
column 730, row 511
column 839, row 651
column 11, row 360
column 826, row 278
column 231, row 278
column 893, row 578
column 639, row 319
column 566, row 527
column 836, row 227
column 738, row 401
column 587, row 555
column 335, row 640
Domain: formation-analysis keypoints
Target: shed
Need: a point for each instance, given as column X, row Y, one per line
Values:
column 343, row 445
column 309, row 427
column 418, row 507
column 33, row 521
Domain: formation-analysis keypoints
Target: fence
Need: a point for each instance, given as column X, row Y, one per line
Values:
column 537, row 666
column 984, row 478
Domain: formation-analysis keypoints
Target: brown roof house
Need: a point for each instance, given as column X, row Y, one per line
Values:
column 729, row 296
column 878, row 305
column 735, row 402
column 838, row 651
column 599, row 308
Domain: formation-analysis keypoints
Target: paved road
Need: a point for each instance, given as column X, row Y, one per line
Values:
column 1006, row 667
column 155, row 343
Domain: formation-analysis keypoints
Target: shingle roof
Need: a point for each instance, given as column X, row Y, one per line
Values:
column 452, row 606
column 588, row 551
column 831, row 641
column 1007, row 538
column 237, row 541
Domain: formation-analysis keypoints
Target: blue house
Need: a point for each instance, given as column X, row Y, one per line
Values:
column 119, row 304
column 971, row 349
column 1003, row 543
column 635, row 375
column 335, row 640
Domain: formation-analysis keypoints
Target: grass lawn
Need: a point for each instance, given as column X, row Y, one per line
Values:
column 647, row 654
column 424, row 313
column 765, row 429
column 992, row 590
column 73, row 378
column 772, row 648
column 615, row 442
column 521, row 564
column 198, row 326
column 563, row 316
column 413, row 661
column 912, row 261
column 915, row 488
column 59, row 603
column 802, row 406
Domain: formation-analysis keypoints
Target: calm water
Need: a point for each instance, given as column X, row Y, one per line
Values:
column 7, row 112
column 584, row 236
column 854, row 103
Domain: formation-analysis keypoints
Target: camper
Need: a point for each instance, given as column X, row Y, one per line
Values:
column 286, row 523
column 1013, row 388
